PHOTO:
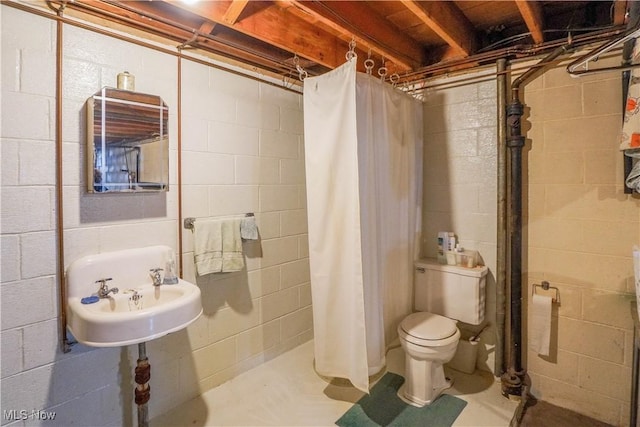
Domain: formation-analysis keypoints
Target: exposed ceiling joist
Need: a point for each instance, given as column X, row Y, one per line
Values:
column 371, row 31
column 207, row 27
column 278, row 27
column 446, row 20
column 533, row 16
column 619, row 12
column 132, row 16
column 415, row 37
column 233, row 12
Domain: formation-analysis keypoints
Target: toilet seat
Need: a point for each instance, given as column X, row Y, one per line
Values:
column 428, row 330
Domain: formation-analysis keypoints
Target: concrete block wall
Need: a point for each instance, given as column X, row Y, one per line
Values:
column 244, row 150
column 460, row 188
column 579, row 234
column 579, row 225
column 242, row 153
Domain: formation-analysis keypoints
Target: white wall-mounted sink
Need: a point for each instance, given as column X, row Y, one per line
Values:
column 140, row 311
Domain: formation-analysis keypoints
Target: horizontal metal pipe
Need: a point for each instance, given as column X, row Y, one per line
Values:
column 285, row 69
column 630, row 34
column 75, row 23
column 515, row 86
column 506, row 53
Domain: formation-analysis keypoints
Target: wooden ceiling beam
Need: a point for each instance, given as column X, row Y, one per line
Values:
column 207, row 27
column 132, row 17
column 278, row 27
column 619, row 12
column 533, row 16
column 446, row 20
column 356, row 19
column 233, row 12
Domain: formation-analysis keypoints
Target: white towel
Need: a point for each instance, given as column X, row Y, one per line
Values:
column 249, row 228
column 540, row 328
column 232, row 258
column 207, row 246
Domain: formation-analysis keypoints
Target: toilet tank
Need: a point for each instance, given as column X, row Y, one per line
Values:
column 451, row 291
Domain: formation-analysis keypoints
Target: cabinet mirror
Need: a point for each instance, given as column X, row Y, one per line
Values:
column 127, row 142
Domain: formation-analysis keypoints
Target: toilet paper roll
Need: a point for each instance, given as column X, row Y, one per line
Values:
column 540, row 327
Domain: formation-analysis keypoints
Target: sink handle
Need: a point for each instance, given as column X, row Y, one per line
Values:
column 155, row 276
column 104, row 290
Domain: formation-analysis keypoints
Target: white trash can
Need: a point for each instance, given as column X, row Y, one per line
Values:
column 466, row 356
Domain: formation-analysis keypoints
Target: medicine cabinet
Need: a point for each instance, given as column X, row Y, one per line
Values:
column 127, row 142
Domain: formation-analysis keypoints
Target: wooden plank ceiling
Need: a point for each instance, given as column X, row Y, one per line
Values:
column 412, row 38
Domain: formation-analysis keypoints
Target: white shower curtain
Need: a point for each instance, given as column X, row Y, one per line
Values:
column 363, row 154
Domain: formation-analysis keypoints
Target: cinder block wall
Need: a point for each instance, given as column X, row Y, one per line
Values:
column 242, row 152
column 580, row 230
column 579, row 225
column 460, row 184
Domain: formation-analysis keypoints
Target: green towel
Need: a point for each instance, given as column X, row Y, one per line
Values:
column 383, row 407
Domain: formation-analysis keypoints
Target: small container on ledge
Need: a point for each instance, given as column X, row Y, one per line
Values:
column 467, row 259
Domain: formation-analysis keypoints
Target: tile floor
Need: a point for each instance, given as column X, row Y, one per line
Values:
column 287, row 392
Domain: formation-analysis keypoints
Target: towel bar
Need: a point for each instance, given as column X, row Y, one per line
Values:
column 188, row 222
column 545, row 285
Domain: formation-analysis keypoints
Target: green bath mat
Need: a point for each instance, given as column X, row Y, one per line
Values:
column 383, row 407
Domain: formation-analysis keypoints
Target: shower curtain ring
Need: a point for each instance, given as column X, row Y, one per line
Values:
column 352, row 49
column 382, row 72
column 394, row 79
column 368, row 65
column 302, row 74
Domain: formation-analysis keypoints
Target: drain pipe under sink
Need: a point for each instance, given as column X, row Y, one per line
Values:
column 513, row 379
column 142, row 390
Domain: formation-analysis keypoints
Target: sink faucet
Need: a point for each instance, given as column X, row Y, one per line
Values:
column 104, row 291
column 155, row 276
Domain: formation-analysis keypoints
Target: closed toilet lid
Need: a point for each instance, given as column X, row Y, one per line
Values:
column 428, row 326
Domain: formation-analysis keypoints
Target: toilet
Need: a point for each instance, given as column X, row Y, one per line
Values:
column 444, row 295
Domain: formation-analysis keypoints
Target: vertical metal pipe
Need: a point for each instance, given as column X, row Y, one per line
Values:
column 501, row 262
column 142, row 390
column 62, row 287
column 512, row 380
column 627, row 162
column 179, row 167
column 515, row 142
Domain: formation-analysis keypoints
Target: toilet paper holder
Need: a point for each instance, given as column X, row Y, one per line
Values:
column 545, row 285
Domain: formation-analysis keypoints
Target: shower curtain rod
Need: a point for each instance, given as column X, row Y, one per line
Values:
column 490, row 72
column 594, row 55
column 519, row 52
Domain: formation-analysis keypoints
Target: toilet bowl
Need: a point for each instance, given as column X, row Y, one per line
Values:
column 429, row 341
column 444, row 294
